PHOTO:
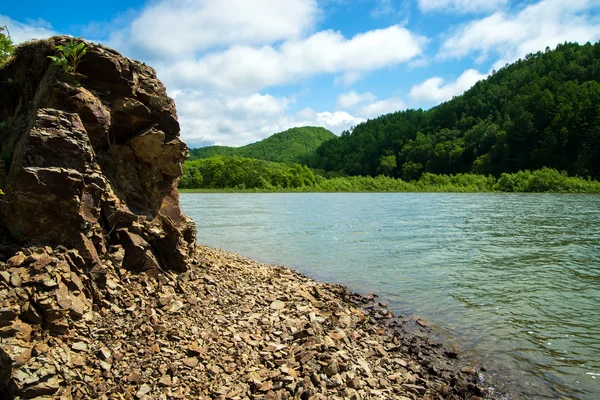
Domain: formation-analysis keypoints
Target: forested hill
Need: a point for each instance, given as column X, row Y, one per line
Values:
column 543, row 111
column 291, row 146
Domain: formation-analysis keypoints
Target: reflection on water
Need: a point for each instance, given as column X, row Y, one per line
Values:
column 515, row 278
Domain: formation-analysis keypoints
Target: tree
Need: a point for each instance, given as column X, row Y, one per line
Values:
column 7, row 47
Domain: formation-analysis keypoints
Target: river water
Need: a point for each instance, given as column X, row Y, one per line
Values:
column 513, row 278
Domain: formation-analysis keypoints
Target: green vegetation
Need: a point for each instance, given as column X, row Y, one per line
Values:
column 69, row 56
column 7, row 47
column 224, row 173
column 543, row 111
column 512, row 132
column 291, row 146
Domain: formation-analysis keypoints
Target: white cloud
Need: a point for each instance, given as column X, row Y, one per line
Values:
column 384, row 7
column 366, row 105
column 21, row 32
column 461, row 6
column 546, row 23
column 381, row 107
column 181, row 28
column 434, row 90
column 210, row 118
column 336, row 121
column 347, row 78
column 351, row 99
column 249, row 69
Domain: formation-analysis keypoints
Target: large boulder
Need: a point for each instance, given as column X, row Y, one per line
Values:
column 92, row 163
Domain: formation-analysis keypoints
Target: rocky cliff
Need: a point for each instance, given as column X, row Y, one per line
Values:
column 89, row 170
column 92, row 165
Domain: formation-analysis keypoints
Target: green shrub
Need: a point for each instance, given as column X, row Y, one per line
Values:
column 7, row 47
column 69, row 56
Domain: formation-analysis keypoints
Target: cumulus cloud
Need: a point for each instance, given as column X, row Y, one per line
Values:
column 381, row 107
column 366, row 105
column 461, row 6
column 351, row 99
column 181, row 28
column 513, row 35
column 21, row 32
column 434, row 89
column 210, row 118
column 250, row 69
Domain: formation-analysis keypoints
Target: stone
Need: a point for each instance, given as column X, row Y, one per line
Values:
column 144, row 390
column 79, row 346
column 468, row 370
column 164, row 381
column 331, row 369
column 16, row 260
column 277, row 305
column 190, row 362
column 134, row 377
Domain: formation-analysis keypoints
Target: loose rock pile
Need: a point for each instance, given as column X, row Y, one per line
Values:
column 227, row 328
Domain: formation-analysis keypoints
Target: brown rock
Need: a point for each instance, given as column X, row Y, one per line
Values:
column 144, row 390
column 134, row 377
column 191, row 362
column 17, row 260
column 18, row 330
column 164, row 381
column 468, row 370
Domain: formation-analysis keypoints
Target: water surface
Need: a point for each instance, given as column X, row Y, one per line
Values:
column 514, row 278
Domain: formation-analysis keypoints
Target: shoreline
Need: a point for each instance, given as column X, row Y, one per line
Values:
column 267, row 191
column 228, row 328
column 425, row 356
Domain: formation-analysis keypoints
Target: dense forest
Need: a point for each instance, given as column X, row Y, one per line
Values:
column 542, row 111
column 292, row 146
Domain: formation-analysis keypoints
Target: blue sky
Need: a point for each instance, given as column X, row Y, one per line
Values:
column 241, row 70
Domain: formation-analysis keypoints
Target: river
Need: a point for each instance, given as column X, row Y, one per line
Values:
column 513, row 278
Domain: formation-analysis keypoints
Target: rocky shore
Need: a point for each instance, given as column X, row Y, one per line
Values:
column 228, row 328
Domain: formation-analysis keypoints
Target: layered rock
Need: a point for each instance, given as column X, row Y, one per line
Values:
column 92, row 165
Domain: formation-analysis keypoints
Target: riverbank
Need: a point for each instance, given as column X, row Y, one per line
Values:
column 230, row 328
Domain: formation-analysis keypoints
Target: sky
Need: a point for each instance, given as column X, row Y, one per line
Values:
column 241, row 70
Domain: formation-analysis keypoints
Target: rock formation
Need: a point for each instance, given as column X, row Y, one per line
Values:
column 92, row 165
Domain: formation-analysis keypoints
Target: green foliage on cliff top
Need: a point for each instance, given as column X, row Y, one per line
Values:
column 6, row 45
column 69, row 56
column 291, row 146
column 543, row 111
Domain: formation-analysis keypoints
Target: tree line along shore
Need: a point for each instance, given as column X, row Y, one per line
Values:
column 233, row 174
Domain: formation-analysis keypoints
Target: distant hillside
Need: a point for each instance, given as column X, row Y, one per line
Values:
column 291, row 146
column 543, row 111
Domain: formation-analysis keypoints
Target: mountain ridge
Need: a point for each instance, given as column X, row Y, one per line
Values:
column 293, row 145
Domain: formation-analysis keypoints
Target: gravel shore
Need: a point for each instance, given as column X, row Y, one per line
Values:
column 229, row 328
